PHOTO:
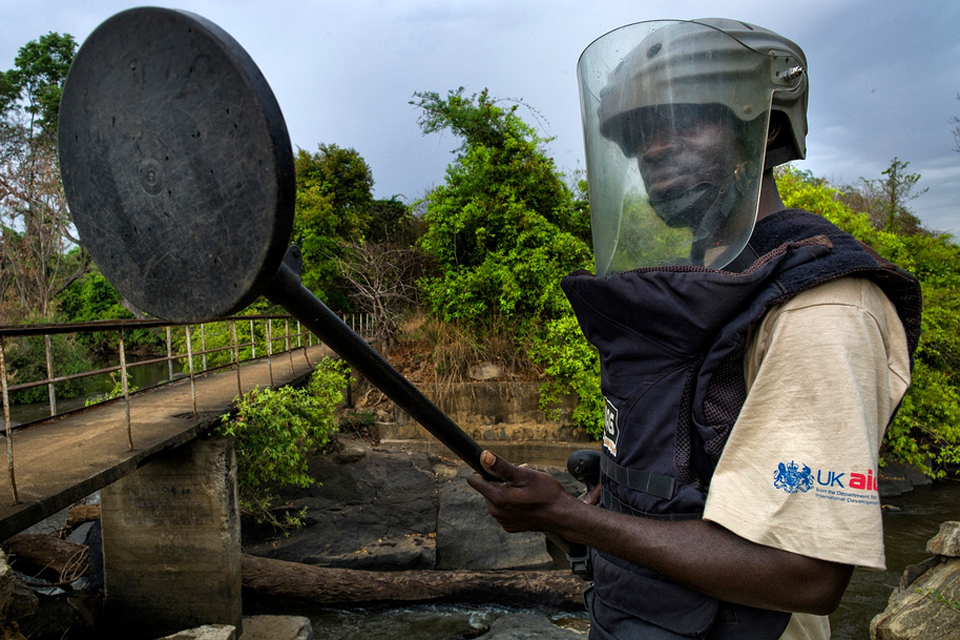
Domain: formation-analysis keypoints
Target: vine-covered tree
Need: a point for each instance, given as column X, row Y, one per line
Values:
column 502, row 231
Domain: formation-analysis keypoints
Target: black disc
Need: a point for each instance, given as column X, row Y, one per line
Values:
column 176, row 164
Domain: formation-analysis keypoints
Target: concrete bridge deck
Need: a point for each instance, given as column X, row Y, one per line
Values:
column 64, row 459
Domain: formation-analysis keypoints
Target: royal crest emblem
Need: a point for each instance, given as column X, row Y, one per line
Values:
column 791, row 478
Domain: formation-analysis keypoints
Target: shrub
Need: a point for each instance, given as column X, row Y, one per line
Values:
column 276, row 431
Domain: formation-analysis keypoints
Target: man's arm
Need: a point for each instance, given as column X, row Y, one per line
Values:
column 698, row 554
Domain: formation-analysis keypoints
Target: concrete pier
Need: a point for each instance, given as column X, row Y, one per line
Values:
column 171, row 543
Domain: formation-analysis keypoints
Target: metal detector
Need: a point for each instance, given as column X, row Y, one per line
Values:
column 179, row 173
column 178, row 169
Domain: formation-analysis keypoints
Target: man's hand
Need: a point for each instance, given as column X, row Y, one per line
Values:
column 526, row 500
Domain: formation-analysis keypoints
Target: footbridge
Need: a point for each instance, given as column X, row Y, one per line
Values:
column 168, row 486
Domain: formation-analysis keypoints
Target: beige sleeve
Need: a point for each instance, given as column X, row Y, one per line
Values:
column 824, row 373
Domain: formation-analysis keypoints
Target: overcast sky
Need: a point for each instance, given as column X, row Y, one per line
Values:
column 884, row 74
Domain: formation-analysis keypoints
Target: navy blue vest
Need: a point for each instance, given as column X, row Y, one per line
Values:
column 671, row 343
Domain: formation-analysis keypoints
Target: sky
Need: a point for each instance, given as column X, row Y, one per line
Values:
column 884, row 74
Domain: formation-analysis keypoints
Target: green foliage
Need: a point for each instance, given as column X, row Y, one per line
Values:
column 390, row 221
column 41, row 67
column 573, row 367
column 26, row 361
column 91, row 297
column 277, row 430
column 502, row 232
column 334, row 198
column 926, row 431
column 115, row 392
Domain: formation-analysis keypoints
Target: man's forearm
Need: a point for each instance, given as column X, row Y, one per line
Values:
column 706, row 557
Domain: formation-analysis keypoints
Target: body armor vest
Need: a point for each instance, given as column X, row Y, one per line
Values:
column 671, row 343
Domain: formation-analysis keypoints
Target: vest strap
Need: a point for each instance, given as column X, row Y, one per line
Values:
column 650, row 483
column 612, row 503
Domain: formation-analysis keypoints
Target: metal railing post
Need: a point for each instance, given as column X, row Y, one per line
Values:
column 236, row 354
column 306, row 356
column 193, row 385
column 51, row 392
column 169, row 356
column 253, row 342
column 269, row 327
column 286, row 341
column 8, row 424
column 126, row 387
column 203, row 345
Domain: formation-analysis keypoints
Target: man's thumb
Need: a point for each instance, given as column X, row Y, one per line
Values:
column 492, row 464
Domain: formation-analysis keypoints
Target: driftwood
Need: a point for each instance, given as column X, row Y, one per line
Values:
column 81, row 513
column 68, row 560
column 330, row 587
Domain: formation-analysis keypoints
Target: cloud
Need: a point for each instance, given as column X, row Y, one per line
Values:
column 884, row 73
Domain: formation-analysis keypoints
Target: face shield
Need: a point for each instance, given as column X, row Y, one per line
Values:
column 675, row 118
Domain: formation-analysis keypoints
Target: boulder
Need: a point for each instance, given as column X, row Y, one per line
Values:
column 525, row 626
column 926, row 604
column 277, row 628
column 374, row 512
column 205, row 632
column 896, row 479
column 388, row 509
column 469, row 538
column 947, row 541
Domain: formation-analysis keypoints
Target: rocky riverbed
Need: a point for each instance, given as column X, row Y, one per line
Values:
column 398, row 507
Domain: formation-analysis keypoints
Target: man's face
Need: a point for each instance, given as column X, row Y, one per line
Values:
column 685, row 153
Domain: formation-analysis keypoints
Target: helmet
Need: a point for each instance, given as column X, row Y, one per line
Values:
column 723, row 76
column 684, row 64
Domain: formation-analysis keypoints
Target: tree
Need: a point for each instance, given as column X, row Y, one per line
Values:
column 35, row 226
column 41, row 68
column 381, row 281
column 502, row 232
column 885, row 200
column 504, row 227
column 391, row 221
column 334, row 197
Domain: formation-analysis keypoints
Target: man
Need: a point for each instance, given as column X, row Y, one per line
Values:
column 751, row 356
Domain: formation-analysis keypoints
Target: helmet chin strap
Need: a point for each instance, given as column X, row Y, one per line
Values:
column 705, row 207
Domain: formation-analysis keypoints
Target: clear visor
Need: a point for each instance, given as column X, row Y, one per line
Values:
column 675, row 118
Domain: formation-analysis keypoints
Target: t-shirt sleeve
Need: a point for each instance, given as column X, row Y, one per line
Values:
column 825, row 372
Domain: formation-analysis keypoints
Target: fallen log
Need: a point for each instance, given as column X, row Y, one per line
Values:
column 338, row 587
column 68, row 560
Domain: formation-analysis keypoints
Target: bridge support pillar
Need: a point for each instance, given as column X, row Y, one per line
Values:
column 171, row 542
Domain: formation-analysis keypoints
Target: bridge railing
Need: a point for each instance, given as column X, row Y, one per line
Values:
column 191, row 350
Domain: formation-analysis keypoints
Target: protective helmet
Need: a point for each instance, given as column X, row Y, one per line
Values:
column 710, row 68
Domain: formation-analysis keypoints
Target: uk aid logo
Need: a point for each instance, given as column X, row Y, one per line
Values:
column 850, row 487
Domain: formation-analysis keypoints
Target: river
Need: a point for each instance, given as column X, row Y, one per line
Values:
column 909, row 521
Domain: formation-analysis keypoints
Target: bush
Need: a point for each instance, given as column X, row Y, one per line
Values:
column 275, row 433
column 926, row 430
